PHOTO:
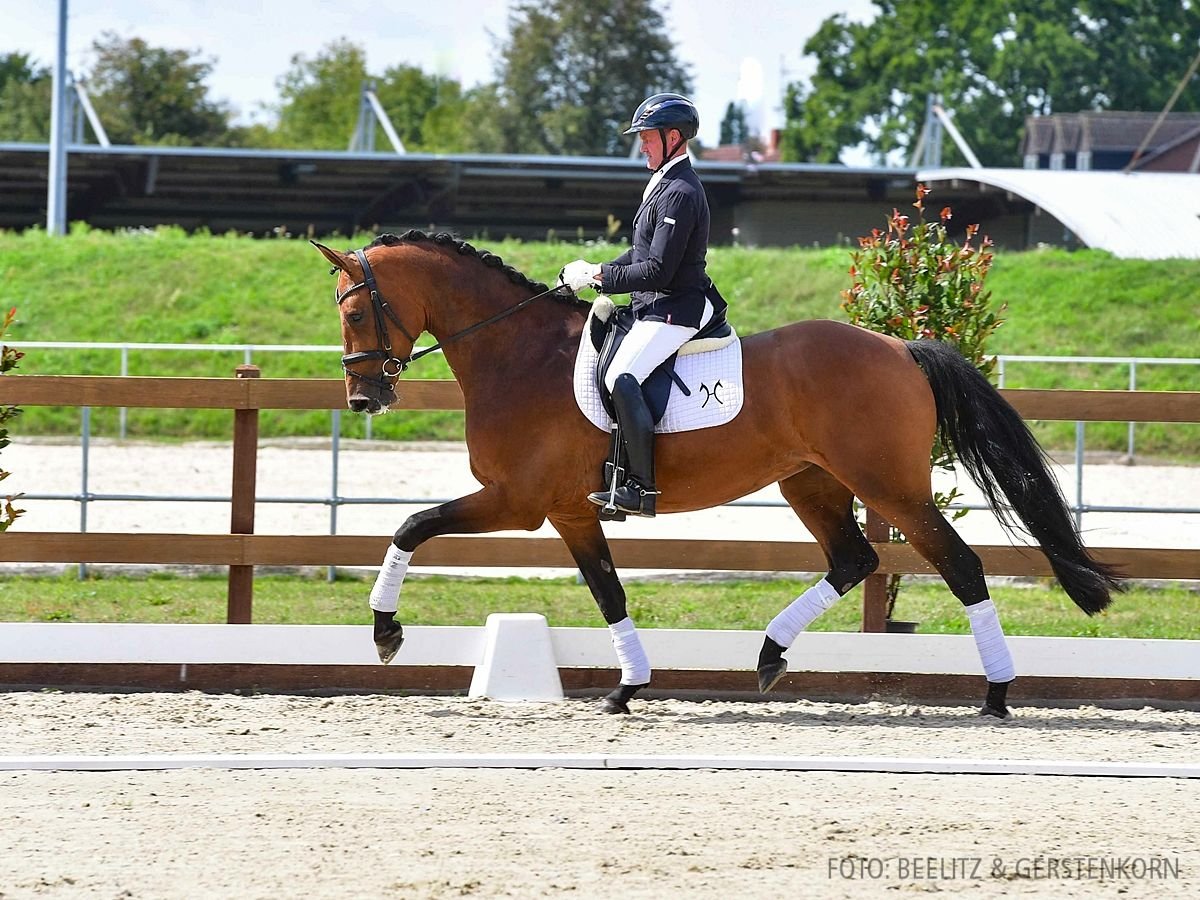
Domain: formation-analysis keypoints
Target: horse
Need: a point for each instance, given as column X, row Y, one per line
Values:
column 831, row 412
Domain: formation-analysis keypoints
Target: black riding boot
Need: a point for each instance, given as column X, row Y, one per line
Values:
column 636, row 495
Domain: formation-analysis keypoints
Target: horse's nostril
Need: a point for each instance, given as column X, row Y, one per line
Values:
column 359, row 404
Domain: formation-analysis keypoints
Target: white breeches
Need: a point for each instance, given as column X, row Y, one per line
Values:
column 647, row 345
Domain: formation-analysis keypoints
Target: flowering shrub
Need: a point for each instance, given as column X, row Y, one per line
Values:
column 9, row 357
column 912, row 282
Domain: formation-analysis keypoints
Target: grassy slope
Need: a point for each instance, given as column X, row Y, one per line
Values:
column 166, row 287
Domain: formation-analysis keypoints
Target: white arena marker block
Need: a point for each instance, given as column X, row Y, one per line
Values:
column 518, row 660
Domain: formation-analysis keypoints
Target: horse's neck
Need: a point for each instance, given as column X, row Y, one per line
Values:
column 528, row 341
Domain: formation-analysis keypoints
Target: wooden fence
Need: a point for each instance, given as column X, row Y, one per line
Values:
column 241, row 550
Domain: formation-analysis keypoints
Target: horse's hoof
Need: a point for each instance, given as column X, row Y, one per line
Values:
column 996, row 701
column 389, row 645
column 617, row 702
column 770, row 674
column 614, row 706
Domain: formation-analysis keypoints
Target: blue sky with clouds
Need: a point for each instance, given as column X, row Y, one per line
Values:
column 737, row 49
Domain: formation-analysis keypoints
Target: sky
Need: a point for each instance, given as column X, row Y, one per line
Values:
column 737, row 49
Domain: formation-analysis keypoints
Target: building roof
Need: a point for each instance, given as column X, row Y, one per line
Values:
column 1140, row 215
column 1103, row 131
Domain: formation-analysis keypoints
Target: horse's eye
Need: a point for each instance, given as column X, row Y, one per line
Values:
column 354, row 317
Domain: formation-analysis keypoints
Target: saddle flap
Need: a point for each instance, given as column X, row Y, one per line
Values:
column 657, row 388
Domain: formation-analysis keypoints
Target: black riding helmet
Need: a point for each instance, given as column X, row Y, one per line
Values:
column 664, row 111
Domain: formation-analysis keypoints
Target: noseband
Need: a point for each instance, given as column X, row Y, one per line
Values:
column 393, row 366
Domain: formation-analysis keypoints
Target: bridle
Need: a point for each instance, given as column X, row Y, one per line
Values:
column 384, row 352
column 393, row 366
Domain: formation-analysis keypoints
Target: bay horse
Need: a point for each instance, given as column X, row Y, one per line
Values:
column 831, row 411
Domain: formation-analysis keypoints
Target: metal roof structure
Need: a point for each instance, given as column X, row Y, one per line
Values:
column 1140, row 215
column 265, row 191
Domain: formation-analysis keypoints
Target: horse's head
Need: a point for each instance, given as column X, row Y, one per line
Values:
column 376, row 336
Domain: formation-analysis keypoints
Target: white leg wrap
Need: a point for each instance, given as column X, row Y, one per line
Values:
column 635, row 667
column 801, row 613
column 385, row 596
column 989, row 639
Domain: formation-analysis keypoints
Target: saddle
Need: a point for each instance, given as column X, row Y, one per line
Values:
column 610, row 324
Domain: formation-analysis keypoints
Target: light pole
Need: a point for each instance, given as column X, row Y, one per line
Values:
column 56, row 195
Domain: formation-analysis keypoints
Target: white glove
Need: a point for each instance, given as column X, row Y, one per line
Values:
column 579, row 274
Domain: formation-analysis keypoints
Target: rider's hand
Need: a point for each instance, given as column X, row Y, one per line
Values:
column 579, row 274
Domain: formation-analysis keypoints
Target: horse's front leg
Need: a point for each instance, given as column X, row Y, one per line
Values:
column 585, row 539
column 485, row 510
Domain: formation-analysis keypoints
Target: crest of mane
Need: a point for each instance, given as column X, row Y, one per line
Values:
column 486, row 258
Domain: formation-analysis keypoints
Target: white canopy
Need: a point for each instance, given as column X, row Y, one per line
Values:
column 1142, row 215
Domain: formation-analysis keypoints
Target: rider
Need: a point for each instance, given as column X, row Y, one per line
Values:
column 673, row 297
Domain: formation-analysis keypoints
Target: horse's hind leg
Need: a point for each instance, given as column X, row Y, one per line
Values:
column 825, row 506
column 936, row 540
column 585, row 539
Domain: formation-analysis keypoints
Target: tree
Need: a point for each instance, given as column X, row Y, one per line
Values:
column 573, row 71
column 463, row 122
column 151, row 95
column 1145, row 47
column 320, row 102
column 320, row 96
column 734, row 129
column 408, row 94
column 993, row 62
column 25, row 90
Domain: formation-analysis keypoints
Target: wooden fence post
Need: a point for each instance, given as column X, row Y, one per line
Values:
column 241, row 519
column 875, row 587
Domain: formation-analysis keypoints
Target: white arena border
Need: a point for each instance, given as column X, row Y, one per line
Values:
column 184, row 645
column 594, row 761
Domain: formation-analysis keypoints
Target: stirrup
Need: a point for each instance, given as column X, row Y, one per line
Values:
column 633, row 499
column 609, row 512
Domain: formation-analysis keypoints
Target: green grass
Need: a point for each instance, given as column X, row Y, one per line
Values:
column 167, row 287
column 436, row 600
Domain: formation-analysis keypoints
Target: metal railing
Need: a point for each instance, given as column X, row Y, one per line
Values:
column 1003, row 362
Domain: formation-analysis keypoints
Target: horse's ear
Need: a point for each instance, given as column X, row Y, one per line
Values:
column 342, row 261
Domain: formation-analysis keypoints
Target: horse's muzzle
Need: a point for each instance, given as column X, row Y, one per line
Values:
column 360, row 403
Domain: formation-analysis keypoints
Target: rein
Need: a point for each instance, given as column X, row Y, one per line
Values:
column 385, row 353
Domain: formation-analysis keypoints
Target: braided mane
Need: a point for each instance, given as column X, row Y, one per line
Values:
column 491, row 260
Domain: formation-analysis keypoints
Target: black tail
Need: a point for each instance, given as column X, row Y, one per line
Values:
column 996, row 447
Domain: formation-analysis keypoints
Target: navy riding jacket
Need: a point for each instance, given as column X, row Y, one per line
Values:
column 664, row 268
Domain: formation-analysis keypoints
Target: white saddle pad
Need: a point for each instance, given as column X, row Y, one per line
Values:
column 713, row 377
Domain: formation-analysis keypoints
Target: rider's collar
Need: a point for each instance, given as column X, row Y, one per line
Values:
column 658, row 176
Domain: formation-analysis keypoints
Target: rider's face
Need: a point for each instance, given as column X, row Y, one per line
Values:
column 652, row 146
